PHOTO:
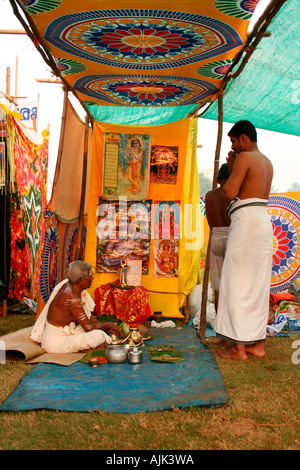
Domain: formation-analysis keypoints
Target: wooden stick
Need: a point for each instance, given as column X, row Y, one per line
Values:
column 202, row 327
column 83, row 191
column 12, row 31
column 9, row 98
column 60, row 147
column 49, row 80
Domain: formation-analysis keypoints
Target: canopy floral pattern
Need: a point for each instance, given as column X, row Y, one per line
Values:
column 141, row 55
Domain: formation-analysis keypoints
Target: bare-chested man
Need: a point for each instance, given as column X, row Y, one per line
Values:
column 218, row 220
column 245, row 283
column 68, row 324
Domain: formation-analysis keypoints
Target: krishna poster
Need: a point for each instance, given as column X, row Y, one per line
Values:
column 126, row 166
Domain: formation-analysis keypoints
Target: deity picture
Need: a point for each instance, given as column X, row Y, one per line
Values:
column 164, row 163
column 126, row 166
column 166, row 255
column 167, row 216
column 123, row 231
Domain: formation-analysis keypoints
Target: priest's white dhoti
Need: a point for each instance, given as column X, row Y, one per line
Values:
column 246, row 274
column 219, row 236
column 71, row 338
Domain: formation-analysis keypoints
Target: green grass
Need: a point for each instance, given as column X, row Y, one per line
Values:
column 263, row 413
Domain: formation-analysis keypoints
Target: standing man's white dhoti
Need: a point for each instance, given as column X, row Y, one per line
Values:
column 246, row 274
column 219, row 236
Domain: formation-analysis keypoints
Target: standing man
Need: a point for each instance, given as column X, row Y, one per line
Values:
column 246, row 275
column 218, row 220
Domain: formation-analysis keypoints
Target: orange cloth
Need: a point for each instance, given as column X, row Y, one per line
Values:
column 127, row 304
column 276, row 298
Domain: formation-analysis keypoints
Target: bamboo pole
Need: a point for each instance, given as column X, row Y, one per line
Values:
column 9, row 98
column 83, row 191
column 8, row 81
column 12, row 31
column 49, row 80
column 16, row 80
column 202, row 327
column 60, row 147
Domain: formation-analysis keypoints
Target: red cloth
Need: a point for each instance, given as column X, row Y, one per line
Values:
column 127, row 304
column 276, row 298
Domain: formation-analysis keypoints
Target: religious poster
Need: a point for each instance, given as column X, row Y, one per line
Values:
column 166, row 256
column 164, row 164
column 166, row 219
column 126, row 166
column 133, row 272
column 123, row 230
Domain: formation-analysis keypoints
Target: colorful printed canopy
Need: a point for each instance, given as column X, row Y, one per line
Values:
column 141, row 52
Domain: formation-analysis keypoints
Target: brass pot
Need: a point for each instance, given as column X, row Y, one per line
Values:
column 116, row 340
column 136, row 335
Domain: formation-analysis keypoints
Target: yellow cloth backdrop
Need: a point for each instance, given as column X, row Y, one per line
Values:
column 166, row 294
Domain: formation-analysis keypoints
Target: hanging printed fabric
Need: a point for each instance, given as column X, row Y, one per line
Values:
column 28, row 202
column 142, row 53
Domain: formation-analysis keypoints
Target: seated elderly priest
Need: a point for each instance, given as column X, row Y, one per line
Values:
column 66, row 324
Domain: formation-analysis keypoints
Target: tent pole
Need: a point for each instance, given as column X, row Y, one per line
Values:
column 202, row 327
column 83, row 191
column 61, row 144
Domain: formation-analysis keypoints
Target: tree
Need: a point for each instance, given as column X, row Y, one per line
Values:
column 205, row 184
column 294, row 187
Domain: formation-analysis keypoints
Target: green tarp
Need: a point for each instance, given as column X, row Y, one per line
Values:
column 267, row 92
column 140, row 116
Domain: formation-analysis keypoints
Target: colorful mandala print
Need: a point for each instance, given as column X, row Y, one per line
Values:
column 141, row 39
column 34, row 7
column 69, row 66
column 238, row 8
column 202, row 206
column 216, row 69
column 285, row 217
column 49, row 270
column 145, row 90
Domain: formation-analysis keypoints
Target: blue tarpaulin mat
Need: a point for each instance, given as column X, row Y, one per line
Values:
column 127, row 388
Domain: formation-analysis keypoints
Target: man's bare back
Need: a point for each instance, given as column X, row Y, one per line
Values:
column 66, row 307
column 216, row 208
column 251, row 173
column 216, row 203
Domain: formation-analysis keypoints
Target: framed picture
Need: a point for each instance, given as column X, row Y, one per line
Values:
column 164, row 164
column 133, row 272
column 126, row 166
column 123, row 230
column 166, row 256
